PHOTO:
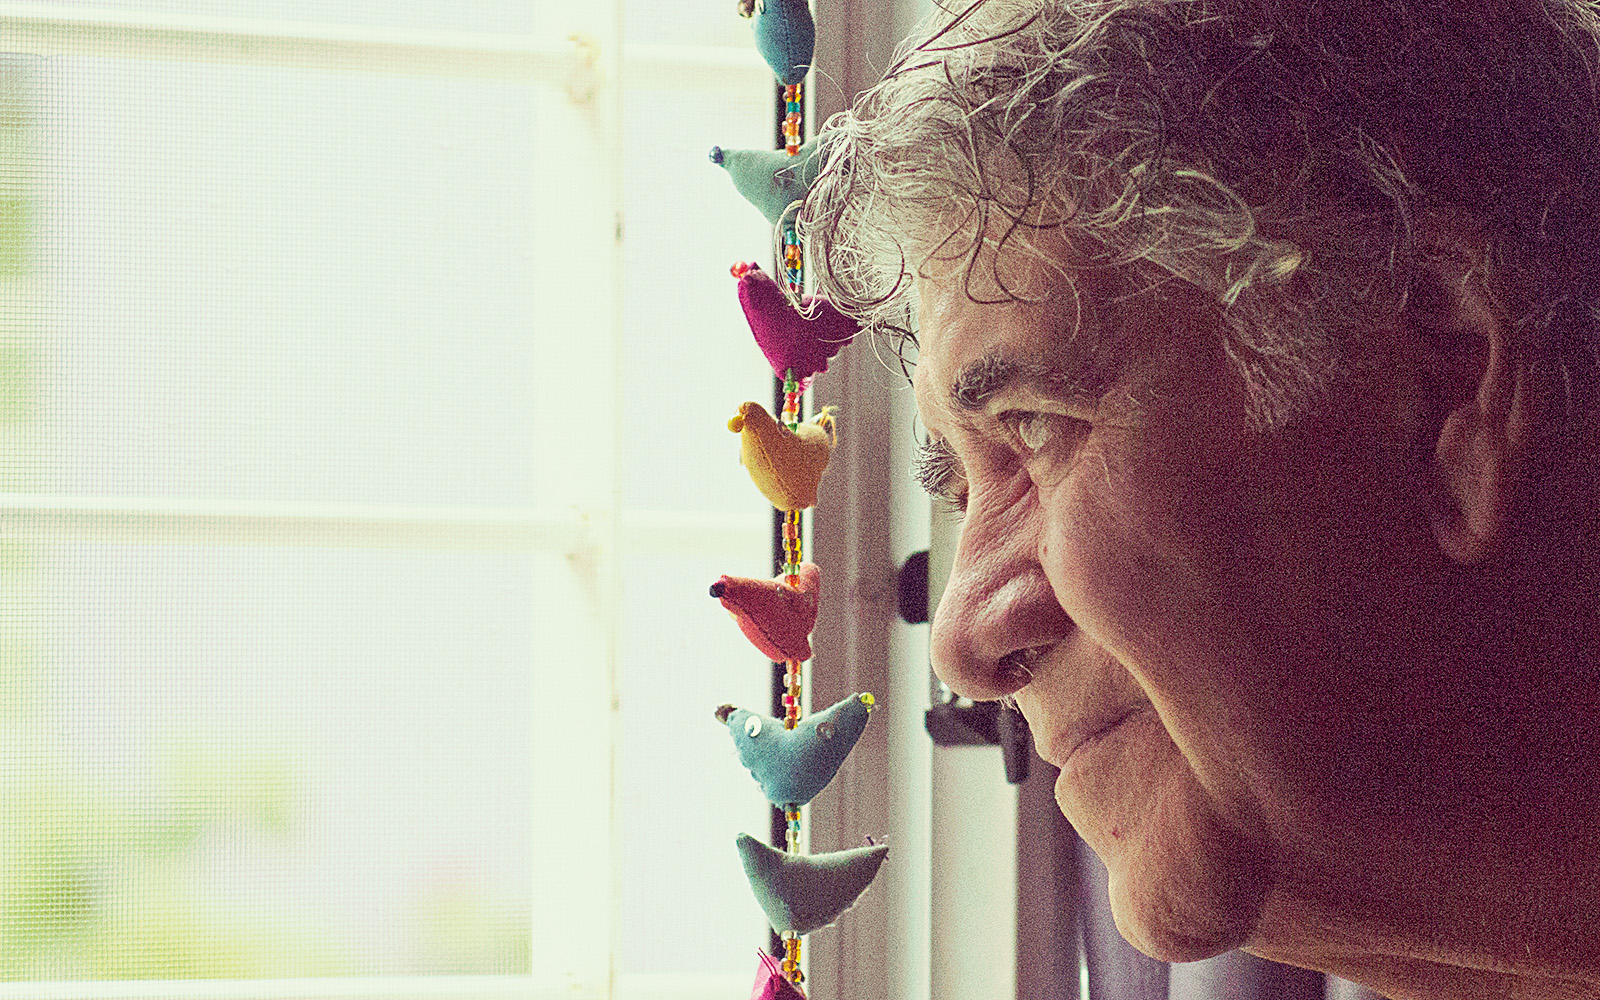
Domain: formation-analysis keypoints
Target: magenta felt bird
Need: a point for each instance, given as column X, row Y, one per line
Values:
column 792, row 343
column 771, row 983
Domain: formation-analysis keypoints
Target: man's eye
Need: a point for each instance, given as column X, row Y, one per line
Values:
column 1035, row 431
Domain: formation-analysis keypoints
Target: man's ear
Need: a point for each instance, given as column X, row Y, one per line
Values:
column 1484, row 396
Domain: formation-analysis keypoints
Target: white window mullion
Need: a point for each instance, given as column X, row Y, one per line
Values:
column 343, row 988
column 575, row 400
column 172, row 520
column 73, row 29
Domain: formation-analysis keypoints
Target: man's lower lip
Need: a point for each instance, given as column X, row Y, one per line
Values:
column 1100, row 734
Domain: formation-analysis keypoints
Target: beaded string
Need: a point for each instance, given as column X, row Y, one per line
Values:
column 793, row 555
column 793, row 261
column 791, row 403
column 794, row 676
column 791, row 957
column 791, row 118
column 794, row 272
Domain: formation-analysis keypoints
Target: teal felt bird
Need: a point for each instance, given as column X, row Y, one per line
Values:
column 793, row 765
column 771, row 179
column 786, row 36
column 806, row 892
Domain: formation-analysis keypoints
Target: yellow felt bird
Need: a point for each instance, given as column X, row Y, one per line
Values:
column 785, row 465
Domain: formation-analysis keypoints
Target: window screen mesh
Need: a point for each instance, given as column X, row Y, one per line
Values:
column 264, row 762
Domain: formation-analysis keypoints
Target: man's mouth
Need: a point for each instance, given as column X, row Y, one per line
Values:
column 1075, row 741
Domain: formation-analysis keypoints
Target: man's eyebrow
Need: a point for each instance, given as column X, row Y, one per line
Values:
column 1078, row 369
column 974, row 384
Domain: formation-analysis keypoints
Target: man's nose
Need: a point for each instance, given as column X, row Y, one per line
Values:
column 998, row 610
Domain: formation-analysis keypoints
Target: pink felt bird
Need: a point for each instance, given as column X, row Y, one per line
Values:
column 774, row 615
column 791, row 342
column 771, row 984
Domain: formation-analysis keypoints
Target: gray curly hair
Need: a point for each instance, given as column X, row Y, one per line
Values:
column 1275, row 155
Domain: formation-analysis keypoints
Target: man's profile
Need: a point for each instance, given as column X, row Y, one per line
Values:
column 1258, row 343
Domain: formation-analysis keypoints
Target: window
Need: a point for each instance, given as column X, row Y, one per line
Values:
column 359, row 481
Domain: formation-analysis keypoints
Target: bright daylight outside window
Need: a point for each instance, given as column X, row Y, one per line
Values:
column 358, row 364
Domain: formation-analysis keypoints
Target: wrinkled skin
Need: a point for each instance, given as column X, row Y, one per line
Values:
column 1276, row 669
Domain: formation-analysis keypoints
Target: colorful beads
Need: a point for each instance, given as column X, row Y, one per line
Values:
column 793, row 261
column 793, row 553
column 791, row 828
column 793, row 110
column 791, row 400
column 793, row 684
column 791, row 958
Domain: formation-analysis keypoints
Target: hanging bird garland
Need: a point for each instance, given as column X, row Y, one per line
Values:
column 792, row 758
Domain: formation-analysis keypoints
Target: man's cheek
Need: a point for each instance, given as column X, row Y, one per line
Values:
column 1108, row 559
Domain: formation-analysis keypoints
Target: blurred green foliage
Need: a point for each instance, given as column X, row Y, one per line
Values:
column 91, row 888
column 97, row 888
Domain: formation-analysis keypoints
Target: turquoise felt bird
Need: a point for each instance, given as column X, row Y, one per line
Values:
column 793, row 765
column 786, row 36
column 806, row 892
column 771, row 179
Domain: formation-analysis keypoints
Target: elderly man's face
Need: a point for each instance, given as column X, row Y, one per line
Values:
column 1210, row 630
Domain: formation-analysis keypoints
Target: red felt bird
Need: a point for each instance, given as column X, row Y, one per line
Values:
column 774, row 614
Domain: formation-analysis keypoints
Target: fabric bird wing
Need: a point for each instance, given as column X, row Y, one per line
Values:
column 806, row 892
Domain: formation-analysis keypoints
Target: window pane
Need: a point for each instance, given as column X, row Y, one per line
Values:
column 245, row 295
column 695, row 380
column 684, row 793
column 274, row 762
column 263, row 289
column 279, row 284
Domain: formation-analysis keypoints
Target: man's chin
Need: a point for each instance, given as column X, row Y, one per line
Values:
column 1182, row 923
column 1184, row 886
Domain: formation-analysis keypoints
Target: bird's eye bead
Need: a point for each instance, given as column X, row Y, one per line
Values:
column 1034, row 430
column 752, row 726
column 825, row 730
